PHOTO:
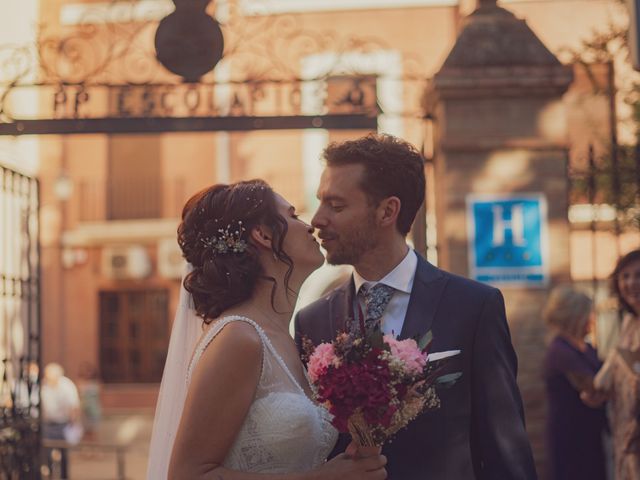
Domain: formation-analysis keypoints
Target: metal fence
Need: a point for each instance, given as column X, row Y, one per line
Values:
column 604, row 216
column 19, row 326
column 604, row 205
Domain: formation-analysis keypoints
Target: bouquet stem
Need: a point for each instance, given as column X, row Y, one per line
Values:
column 364, row 452
column 360, row 431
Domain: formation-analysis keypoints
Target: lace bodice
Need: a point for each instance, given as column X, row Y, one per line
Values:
column 284, row 431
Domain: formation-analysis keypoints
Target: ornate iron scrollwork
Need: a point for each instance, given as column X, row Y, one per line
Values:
column 104, row 69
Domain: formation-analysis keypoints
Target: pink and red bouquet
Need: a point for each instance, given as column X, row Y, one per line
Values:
column 375, row 385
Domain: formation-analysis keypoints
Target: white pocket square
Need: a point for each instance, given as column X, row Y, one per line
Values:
column 432, row 357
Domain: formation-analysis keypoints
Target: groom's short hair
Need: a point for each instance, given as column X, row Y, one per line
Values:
column 392, row 168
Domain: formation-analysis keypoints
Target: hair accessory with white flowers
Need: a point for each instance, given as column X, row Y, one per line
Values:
column 227, row 240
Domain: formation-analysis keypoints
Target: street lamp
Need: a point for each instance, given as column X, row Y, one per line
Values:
column 63, row 188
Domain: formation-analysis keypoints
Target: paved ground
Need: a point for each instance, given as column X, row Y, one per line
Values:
column 130, row 432
column 126, row 433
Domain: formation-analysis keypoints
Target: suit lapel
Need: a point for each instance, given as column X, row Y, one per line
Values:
column 341, row 306
column 428, row 286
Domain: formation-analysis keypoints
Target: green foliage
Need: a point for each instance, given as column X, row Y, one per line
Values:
column 448, row 380
column 425, row 341
column 604, row 182
column 376, row 339
column 611, row 179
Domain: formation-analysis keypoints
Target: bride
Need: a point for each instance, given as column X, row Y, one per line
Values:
column 235, row 402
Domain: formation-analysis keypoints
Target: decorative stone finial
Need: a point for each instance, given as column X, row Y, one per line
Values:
column 492, row 36
column 497, row 54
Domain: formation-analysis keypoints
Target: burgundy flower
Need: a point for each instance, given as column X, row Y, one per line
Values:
column 365, row 385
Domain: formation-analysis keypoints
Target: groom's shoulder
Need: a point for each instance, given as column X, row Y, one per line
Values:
column 457, row 283
column 470, row 285
column 320, row 307
column 316, row 308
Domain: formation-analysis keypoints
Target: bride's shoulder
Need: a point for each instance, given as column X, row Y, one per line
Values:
column 235, row 341
column 237, row 334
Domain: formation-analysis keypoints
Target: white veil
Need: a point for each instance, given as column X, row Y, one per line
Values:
column 186, row 330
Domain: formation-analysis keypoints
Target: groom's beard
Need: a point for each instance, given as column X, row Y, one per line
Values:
column 353, row 244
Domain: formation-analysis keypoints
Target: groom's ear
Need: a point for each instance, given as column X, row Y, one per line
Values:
column 388, row 211
column 261, row 236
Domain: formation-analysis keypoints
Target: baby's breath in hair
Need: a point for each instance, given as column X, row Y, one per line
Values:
column 214, row 238
column 227, row 240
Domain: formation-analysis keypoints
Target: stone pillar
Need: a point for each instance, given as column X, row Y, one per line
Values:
column 500, row 129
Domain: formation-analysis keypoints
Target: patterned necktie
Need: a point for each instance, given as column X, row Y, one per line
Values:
column 376, row 299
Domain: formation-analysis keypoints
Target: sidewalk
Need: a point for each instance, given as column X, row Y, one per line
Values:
column 97, row 459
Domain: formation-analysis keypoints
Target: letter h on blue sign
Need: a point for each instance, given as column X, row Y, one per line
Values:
column 508, row 233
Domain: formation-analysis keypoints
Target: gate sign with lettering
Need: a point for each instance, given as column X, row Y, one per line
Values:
column 508, row 239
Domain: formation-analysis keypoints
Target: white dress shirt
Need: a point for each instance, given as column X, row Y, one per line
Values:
column 401, row 279
column 59, row 401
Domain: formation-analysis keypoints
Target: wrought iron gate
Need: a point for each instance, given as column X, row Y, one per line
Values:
column 604, row 196
column 19, row 326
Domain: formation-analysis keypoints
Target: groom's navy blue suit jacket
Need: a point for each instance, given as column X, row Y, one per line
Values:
column 478, row 432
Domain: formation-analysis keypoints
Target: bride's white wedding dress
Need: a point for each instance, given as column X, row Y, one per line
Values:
column 284, row 431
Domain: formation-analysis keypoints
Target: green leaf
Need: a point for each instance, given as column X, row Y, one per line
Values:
column 448, row 380
column 425, row 340
column 376, row 338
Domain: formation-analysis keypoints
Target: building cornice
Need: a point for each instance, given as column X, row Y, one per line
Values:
column 120, row 232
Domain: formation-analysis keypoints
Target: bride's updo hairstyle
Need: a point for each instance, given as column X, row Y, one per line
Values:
column 214, row 238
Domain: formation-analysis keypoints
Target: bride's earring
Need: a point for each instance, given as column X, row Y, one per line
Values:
column 275, row 257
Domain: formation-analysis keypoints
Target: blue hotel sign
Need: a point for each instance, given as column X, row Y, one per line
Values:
column 508, row 239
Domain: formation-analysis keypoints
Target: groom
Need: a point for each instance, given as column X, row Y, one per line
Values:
column 369, row 194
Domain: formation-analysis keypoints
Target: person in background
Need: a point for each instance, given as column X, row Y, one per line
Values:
column 620, row 375
column 89, row 389
column 574, row 430
column 60, row 410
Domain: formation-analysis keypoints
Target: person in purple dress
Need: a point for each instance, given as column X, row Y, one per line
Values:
column 574, row 429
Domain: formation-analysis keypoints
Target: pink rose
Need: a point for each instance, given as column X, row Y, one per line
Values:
column 408, row 352
column 321, row 358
